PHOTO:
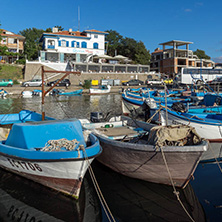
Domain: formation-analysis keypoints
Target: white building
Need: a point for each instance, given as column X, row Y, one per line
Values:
column 75, row 46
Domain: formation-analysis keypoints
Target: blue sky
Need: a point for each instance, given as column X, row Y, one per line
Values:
column 151, row 22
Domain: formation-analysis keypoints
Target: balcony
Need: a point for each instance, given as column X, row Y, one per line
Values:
column 51, row 47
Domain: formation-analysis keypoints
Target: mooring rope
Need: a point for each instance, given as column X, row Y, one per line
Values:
column 98, row 190
column 214, row 156
column 174, row 188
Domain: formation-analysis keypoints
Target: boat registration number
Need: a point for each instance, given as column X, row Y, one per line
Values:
column 25, row 165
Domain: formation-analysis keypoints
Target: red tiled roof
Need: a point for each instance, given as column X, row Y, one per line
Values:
column 77, row 33
column 12, row 35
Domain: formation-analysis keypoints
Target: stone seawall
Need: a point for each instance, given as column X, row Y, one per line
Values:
column 33, row 69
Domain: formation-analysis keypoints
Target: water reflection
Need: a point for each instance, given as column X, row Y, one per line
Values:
column 24, row 200
column 136, row 200
column 128, row 199
column 62, row 107
column 207, row 186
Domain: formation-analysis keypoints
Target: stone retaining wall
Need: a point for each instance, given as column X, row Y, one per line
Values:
column 33, row 69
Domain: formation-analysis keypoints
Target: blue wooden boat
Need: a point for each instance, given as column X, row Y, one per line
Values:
column 76, row 92
column 207, row 125
column 7, row 120
column 21, row 117
column 52, row 153
column 37, row 92
column 3, row 93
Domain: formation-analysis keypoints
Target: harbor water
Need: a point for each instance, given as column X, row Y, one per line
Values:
column 128, row 199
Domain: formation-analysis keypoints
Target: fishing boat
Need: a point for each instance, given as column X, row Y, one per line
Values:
column 52, row 153
column 207, row 125
column 27, row 94
column 3, row 93
column 76, row 92
column 7, row 120
column 104, row 89
column 130, row 148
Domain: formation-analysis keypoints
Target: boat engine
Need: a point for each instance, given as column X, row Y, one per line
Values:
column 178, row 107
column 96, row 117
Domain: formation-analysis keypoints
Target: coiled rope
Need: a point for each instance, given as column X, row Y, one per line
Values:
column 57, row 145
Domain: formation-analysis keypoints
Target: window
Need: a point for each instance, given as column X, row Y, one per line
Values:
column 95, row 45
column 12, row 41
column 96, row 36
column 63, row 43
column 77, row 44
column 73, row 44
column 84, row 45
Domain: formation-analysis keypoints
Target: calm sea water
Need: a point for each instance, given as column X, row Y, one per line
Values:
column 128, row 199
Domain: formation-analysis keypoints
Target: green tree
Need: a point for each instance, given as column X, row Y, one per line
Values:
column 32, row 46
column 142, row 55
column 135, row 51
column 60, row 28
column 113, row 44
column 3, row 48
column 201, row 54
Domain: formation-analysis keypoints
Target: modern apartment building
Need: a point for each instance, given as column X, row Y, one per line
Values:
column 175, row 55
column 75, row 46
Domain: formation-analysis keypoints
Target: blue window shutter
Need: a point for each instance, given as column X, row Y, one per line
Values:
column 59, row 43
column 67, row 44
column 95, row 45
column 73, row 43
column 77, row 44
column 84, row 45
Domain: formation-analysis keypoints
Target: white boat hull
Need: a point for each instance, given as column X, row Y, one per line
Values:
column 94, row 91
column 207, row 131
column 64, row 176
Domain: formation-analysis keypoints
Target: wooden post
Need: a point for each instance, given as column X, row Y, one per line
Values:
column 165, row 88
column 43, row 95
column 66, row 73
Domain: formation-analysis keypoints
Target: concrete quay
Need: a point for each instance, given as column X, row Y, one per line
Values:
column 17, row 89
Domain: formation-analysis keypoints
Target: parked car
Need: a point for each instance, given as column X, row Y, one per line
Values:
column 153, row 82
column 64, row 82
column 33, row 82
column 6, row 82
column 133, row 82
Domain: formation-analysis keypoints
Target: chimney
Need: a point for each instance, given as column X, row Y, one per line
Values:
column 55, row 29
column 70, row 30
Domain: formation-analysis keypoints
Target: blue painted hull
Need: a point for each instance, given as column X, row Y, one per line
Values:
column 77, row 92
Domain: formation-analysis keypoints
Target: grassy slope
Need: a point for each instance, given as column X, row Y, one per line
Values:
column 11, row 72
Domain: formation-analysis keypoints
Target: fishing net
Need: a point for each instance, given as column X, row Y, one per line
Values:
column 174, row 135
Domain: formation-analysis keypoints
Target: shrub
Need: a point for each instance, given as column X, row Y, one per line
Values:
column 20, row 61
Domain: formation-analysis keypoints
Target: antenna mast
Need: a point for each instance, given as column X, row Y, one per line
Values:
column 78, row 18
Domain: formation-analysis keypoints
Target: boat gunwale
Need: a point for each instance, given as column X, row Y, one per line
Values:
column 203, row 146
